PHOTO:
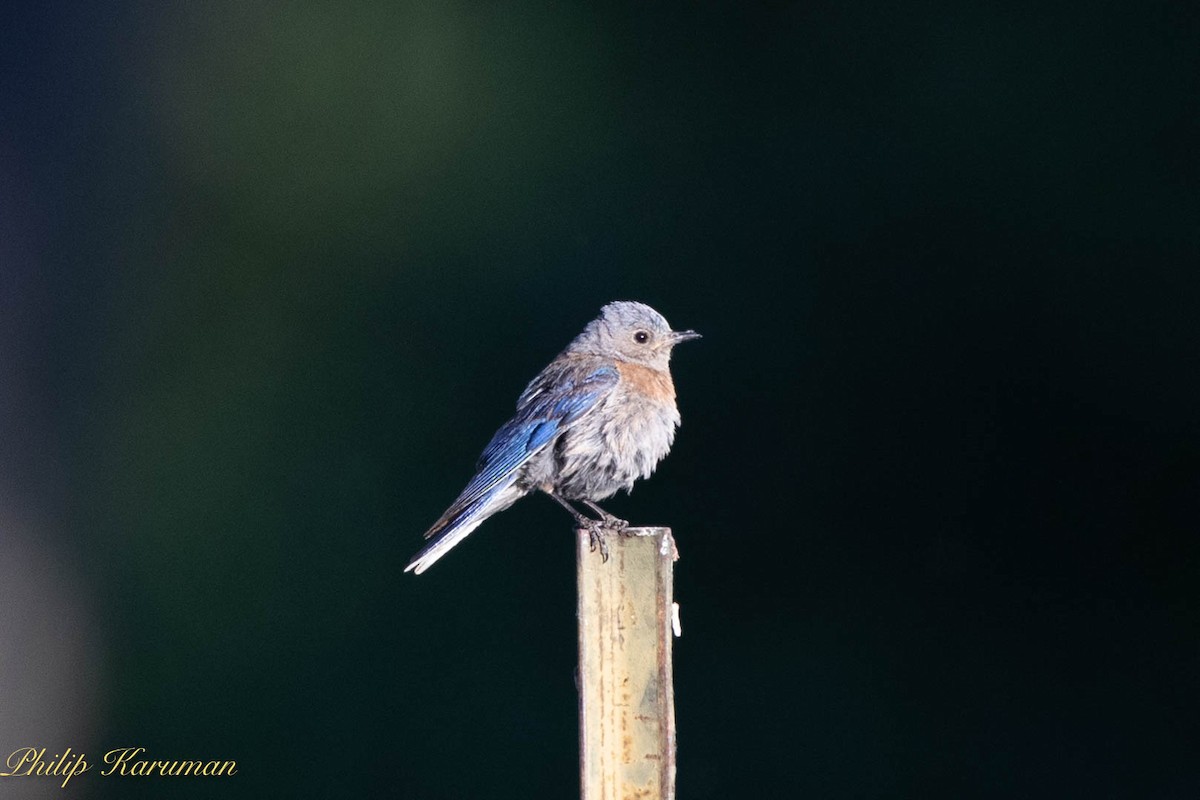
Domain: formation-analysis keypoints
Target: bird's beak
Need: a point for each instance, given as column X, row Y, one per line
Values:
column 683, row 336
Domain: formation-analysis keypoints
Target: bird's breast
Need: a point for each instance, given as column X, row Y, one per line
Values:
column 653, row 384
column 622, row 439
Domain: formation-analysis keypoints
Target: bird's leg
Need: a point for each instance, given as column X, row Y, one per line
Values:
column 616, row 523
column 580, row 519
column 592, row 526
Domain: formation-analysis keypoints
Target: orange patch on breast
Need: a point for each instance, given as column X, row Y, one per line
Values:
column 652, row 383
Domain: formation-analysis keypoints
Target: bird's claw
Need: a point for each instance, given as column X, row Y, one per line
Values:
column 596, row 528
column 606, row 519
column 596, row 540
column 614, row 523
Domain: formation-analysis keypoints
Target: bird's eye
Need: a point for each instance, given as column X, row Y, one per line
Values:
column 641, row 337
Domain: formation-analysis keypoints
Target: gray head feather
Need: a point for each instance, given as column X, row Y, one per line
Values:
column 632, row 332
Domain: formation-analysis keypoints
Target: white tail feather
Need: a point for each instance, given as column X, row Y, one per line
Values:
column 440, row 546
column 429, row 557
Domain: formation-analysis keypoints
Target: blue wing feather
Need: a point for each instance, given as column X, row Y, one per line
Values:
column 557, row 397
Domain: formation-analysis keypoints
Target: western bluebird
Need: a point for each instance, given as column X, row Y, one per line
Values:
column 600, row 416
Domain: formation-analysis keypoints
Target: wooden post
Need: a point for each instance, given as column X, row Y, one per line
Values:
column 626, row 695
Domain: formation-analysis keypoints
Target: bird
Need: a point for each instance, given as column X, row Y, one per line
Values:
column 599, row 417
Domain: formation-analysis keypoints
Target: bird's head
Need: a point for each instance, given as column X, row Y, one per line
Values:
column 632, row 332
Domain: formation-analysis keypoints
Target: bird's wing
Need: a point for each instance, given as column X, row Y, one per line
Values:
column 558, row 396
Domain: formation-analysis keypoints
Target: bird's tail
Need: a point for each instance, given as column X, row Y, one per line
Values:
column 457, row 523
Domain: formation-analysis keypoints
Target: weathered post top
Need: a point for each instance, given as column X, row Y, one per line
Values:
column 626, row 695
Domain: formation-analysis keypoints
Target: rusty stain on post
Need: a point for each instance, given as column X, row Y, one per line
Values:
column 626, row 695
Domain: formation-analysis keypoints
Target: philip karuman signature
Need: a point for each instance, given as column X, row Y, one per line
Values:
column 31, row 762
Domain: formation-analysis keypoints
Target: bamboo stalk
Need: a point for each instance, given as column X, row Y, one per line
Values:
column 626, row 695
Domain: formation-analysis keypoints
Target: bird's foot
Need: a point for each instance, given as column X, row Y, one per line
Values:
column 614, row 523
column 596, row 528
column 596, row 539
column 606, row 519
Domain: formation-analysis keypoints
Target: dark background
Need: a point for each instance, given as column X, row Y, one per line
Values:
column 270, row 277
